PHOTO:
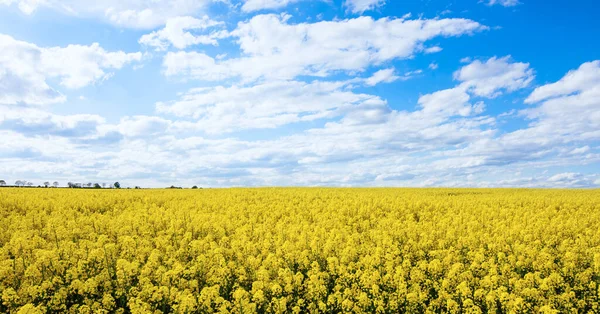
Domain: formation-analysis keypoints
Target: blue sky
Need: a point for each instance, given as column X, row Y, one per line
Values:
column 217, row 93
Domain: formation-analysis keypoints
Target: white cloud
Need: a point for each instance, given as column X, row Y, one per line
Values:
column 466, row 60
column 196, row 65
column 125, row 13
column 504, row 3
column 371, row 139
column 368, row 131
column 580, row 150
column 22, row 147
column 142, row 126
column 178, row 33
column 33, row 121
column 569, row 110
column 382, row 40
column 488, row 78
column 433, row 66
column 267, row 105
column 584, row 79
column 256, row 5
column 448, row 102
column 360, row 6
column 26, row 6
column 565, row 177
column 567, row 115
column 352, row 138
column 434, row 49
column 25, row 69
column 274, row 103
column 81, row 127
column 382, row 76
column 368, row 127
column 78, row 66
column 272, row 48
column 21, row 81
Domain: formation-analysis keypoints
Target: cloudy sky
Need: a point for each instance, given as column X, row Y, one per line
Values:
column 301, row 92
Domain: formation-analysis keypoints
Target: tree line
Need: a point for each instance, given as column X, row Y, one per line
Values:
column 56, row 184
column 76, row 185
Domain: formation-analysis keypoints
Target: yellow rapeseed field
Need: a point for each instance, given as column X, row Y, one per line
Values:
column 300, row 250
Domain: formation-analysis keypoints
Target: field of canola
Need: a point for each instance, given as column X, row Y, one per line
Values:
column 299, row 250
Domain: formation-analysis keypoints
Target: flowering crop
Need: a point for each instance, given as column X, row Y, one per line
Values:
column 299, row 250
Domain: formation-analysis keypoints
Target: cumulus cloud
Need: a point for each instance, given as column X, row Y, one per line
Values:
column 81, row 128
column 195, row 64
column 580, row 150
column 181, row 32
column 30, row 150
column 504, row 3
column 273, row 48
column 360, row 126
column 453, row 101
column 360, row 132
column 382, row 76
column 483, row 79
column 566, row 176
column 26, row 6
column 33, row 121
column 582, row 80
column 569, row 107
column 571, row 179
column 137, row 126
column 267, row 105
column 489, row 78
column 434, row 49
column 124, row 13
column 25, row 69
column 368, row 134
column 256, row 5
column 360, row 6
column 566, row 115
column 343, row 136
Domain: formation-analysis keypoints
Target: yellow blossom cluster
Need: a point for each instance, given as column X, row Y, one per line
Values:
column 300, row 250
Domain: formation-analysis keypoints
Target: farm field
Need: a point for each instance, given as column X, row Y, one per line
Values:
column 300, row 250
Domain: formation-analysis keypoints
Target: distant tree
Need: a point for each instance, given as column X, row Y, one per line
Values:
column 194, row 187
column 71, row 185
column 2, row 183
column 55, row 184
column 19, row 183
column 137, row 187
column 46, row 184
column 97, row 186
column 29, row 184
column 89, row 185
column 117, row 185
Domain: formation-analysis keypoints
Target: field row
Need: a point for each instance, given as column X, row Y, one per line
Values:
column 299, row 250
